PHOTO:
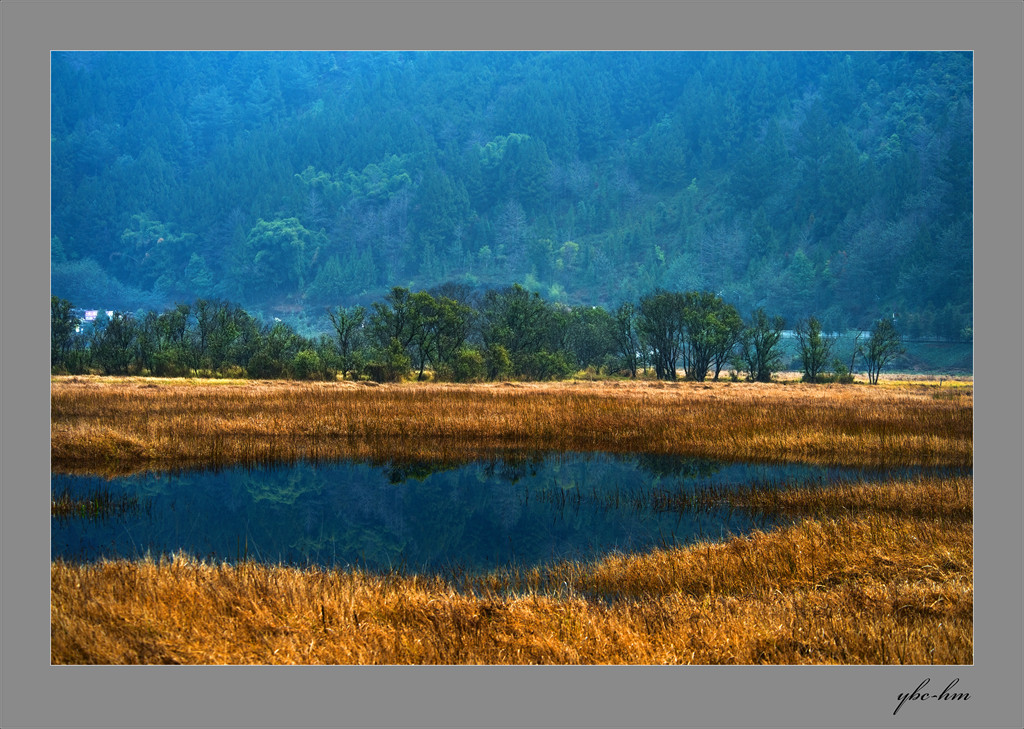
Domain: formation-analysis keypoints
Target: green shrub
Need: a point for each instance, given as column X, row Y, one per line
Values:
column 306, row 365
column 546, row 365
column 843, row 376
column 169, row 363
column 469, row 366
column 264, row 367
column 231, row 372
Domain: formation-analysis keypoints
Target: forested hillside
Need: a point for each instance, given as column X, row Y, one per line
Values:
column 834, row 185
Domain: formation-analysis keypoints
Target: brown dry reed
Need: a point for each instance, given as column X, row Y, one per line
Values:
column 122, row 425
column 870, row 573
column 870, row 587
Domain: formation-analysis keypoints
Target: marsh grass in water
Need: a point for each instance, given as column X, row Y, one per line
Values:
column 96, row 503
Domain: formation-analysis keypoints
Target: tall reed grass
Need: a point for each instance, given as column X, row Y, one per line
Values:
column 127, row 425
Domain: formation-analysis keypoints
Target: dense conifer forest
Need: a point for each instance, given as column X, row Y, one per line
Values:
column 829, row 185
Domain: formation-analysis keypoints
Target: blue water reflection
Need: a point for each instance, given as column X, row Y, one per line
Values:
column 418, row 518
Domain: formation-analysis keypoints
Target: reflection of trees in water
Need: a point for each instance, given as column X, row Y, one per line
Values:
column 514, row 468
column 321, row 511
column 526, row 509
column 372, row 496
column 506, row 503
column 417, row 470
column 153, row 486
column 235, row 495
column 312, row 517
column 673, row 466
column 315, row 547
column 284, row 486
column 363, row 514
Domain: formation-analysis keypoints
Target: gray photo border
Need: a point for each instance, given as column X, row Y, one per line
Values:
column 37, row 694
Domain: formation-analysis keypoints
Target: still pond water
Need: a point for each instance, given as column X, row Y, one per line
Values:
column 473, row 517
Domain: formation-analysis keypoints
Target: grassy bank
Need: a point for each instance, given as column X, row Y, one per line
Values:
column 870, row 585
column 116, row 425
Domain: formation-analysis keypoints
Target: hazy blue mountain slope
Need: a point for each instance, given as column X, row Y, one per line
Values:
column 830, row 184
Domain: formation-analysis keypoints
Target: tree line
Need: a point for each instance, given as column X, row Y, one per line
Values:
column 458, row 334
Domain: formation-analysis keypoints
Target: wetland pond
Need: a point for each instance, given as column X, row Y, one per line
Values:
column 420, row 519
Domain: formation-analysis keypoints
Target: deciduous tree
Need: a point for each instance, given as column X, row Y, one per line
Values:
column 758, row 347
column 815, row 348
column 114, row 344
column 348, row 325
column 627, row 339
column 711, row 330
column 661, row 327
column 881, row 348
column 63, row 328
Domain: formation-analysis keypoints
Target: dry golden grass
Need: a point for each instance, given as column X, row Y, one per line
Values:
column 875, row 573
column 869, row 587
column 117, row 425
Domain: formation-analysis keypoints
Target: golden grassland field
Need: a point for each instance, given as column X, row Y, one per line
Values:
column 875, row 572
column 104, row 425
